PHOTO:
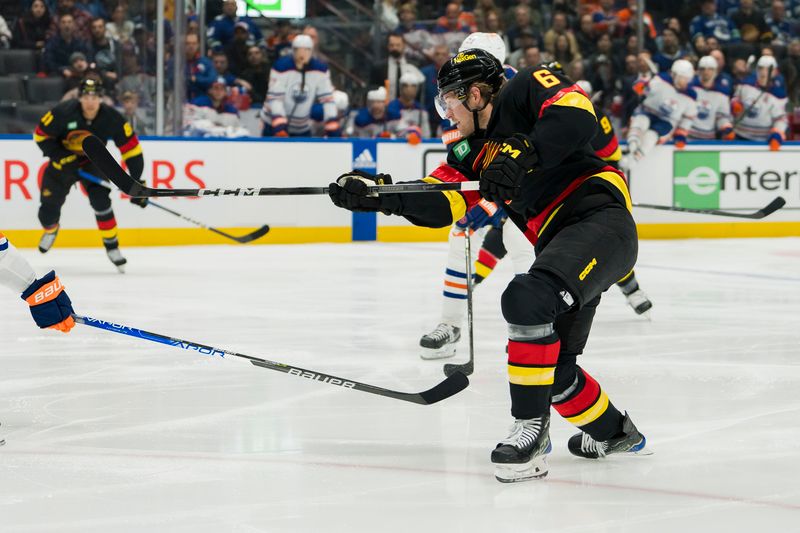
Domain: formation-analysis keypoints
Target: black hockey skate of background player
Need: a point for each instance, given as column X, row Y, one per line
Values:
column 530, row 144
column 60, row 134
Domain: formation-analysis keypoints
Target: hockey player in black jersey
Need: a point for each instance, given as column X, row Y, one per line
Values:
column 59, row 135
column 530, row 146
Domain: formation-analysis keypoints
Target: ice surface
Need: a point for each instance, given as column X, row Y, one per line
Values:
column 110, row 433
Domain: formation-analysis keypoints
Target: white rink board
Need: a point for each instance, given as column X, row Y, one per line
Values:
column 282, row 163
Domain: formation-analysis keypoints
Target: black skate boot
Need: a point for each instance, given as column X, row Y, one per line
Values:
column 440, row 343
column 630, row 442
column 48, row 239
column 523, row 454
column 116, row 257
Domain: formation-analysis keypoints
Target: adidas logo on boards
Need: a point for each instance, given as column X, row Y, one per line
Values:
column 364, row 160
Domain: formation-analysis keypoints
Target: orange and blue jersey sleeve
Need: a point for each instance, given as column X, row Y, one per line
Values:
column 128, row 143
column 565, row 119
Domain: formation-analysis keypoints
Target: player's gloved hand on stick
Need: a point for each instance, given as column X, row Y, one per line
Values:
column 350, row 192
column 503, row 177
column 680, row 141
column 479, row 216
column 141, row 202
column 727, row 134
column 50, row 305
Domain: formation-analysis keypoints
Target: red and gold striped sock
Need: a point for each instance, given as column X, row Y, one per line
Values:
column 587, row 406
column 531, row 369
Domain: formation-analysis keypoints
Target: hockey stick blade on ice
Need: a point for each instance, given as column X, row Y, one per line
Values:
column 244, row 239
column 96, row 151
column 765, row 211
column 449, row 387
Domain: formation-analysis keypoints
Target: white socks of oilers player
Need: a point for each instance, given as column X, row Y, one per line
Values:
column 441, row 342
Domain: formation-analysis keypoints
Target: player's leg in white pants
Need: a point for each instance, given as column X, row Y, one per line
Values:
column 519, row 248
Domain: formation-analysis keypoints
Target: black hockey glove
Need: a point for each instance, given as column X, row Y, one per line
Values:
column 141, row 202
column 68, row 163
column 501, row 180
column 350, row 192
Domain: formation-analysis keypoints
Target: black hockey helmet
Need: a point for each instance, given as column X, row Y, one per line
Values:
column 91, row 85
column 462, row 70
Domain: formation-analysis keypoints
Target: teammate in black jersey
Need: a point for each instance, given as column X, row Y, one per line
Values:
column 60, row 134
column 530, row 145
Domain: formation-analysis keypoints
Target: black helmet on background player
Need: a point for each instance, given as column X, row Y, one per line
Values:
column 91, row 86
column 462, row 71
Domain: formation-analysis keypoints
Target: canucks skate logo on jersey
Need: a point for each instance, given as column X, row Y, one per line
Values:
column 299, row 94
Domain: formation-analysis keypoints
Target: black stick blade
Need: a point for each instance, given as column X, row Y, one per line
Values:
column 773, row 206
column 96, row 151
column 451, row 386
column 257, row 234
column 451, row 368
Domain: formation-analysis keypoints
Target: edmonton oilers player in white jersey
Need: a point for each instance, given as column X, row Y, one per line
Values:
column 49, row 304
column 713, row 103
column 485, row 224
column 759, row 105
column 296, row 82
column 667, row 111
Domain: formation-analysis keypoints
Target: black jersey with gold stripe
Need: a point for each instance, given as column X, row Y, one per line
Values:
column 606, row 144
column 61, row 131
column 561, row 122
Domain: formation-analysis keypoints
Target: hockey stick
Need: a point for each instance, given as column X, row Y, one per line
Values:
column 468, row 367
column 96, row 151
column 450, row 386
column 257, row 234
column 765, row 211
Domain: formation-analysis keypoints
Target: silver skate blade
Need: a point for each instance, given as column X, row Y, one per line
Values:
column 536, row 468
column 431, row 354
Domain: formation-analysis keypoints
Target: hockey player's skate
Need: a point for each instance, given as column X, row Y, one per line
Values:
column 48, row 239
column 630, row 442
column 440, row 343
column 640, row 303
column 523, row 454
column 117, row 258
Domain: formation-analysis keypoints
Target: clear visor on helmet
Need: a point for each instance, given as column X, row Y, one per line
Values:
column 446, row 102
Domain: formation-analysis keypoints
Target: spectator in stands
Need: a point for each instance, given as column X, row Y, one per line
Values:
column 387, row 13
column 31, row 29
column 565, row 51
column 534, row 11
column 121, row 27
column 105, row 54
column 709, row 23
column 449, row 29
column 627, row 18
column 670, row 50
column 719, row 55
column 559, row 27
column 280, row 43
column 137, row 117
column 79, row 66
column 220, row 31
column 5, row 33
column 750, row 22
column 605, row 18
column 531, row 56
column 517, row 58
column 586, row 36
column 783, row 28
column 237, row 48
column 59, row 48
column 417, row 38
column 494, row 24
column 216, row 97
column 220, row 61
column 373, row 121
column 256, row 73
column 134, row 80
column 82, row 19
column 522, row 25
column 96, row 8
column 414, row 121
column 200, row 72
column 387, row 73
column 482, row 10
column 793, row 56
column 439, row 56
